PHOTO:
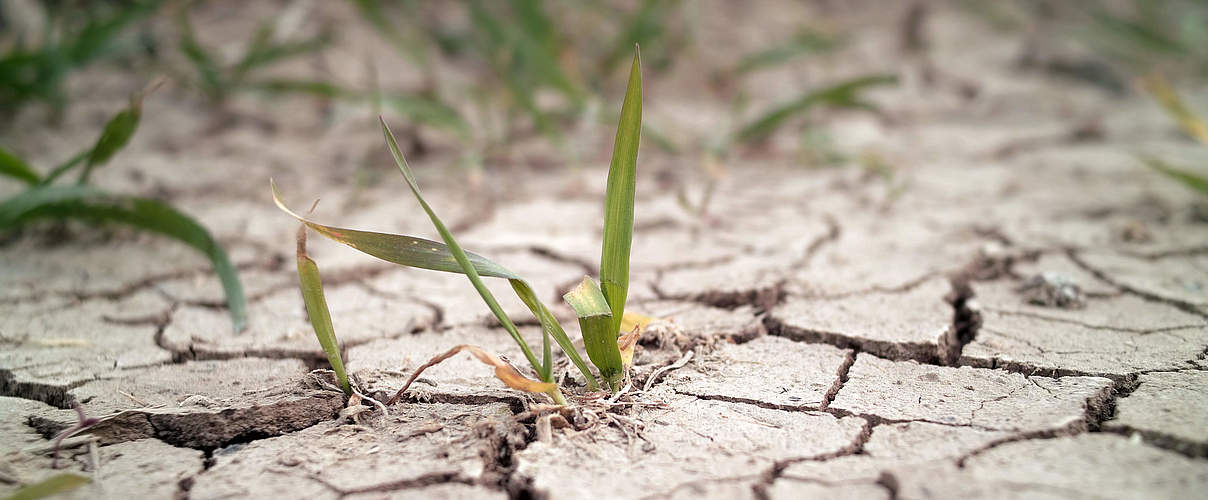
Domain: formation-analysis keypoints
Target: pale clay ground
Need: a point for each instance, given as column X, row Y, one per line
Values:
column 847, row 343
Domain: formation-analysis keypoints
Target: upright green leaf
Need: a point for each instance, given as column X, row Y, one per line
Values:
column 52, row 485
column 88, row 203
column 15, row 167
column 316, row 309
column 599, row 332
column 618, row 203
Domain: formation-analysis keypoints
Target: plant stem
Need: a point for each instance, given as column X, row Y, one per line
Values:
column 556, row 393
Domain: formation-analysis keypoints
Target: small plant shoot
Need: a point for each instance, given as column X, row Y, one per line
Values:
column 600, row 307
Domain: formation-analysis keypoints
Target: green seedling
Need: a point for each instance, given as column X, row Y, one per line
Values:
column 519, row 44
column 519, row 51
column 53, row 485
column 218, row 79
column 601, row 308
column 44, row 199
column 316, row 309
column 32, row 72
column 805, row 42
column 649, row 26
column 842, row 95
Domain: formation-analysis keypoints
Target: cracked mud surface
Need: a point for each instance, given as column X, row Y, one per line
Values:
column 845, row 342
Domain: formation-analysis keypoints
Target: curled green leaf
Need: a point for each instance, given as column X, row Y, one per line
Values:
column 599, row 335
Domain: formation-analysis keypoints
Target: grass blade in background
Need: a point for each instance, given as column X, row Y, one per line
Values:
column 806, row 41
column 1186, row 177
column 618, row 204
column 430, row 111
column 647, row 25
column 374, row 12
column 316, row 309
column 82, row 35
column 844, row 95
column 1192, row 125
column 599, row 334
column 117, row 132
column 417, row 107
column 84, row 202
column 53, row 485
column 211, row 83
column 12, row 166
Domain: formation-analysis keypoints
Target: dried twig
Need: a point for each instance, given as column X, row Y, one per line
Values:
column 83, row 422
column 673, row 366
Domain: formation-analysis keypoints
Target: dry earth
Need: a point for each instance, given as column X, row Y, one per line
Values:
column 850, row 339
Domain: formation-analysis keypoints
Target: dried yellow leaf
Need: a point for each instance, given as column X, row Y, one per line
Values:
column 503, row 371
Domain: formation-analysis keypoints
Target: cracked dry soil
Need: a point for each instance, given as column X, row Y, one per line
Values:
column 847, row 342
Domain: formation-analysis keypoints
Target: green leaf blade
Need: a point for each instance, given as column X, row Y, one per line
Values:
column 398, row 249
column 1188, row 178
column 316, row 309
column 523, row 290
column 88, row 203
column 618, row 205
column 597, row 325
column 114, row 137
column 463, row 260
column 15, row 167
column 551, row 326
